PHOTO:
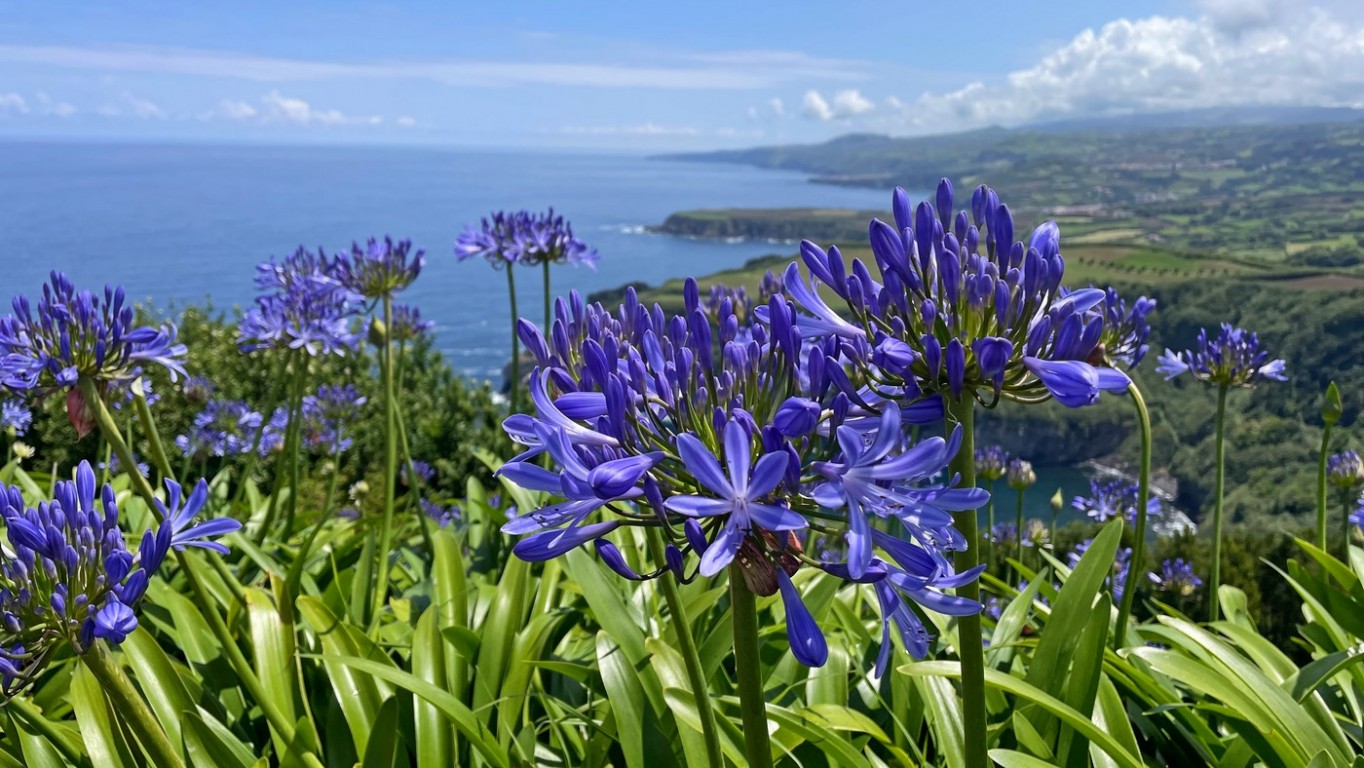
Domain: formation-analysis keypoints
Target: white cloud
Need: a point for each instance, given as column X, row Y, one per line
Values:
column 276, row 108
column 778, row 108
column 814, row 106
column 851, row 103
column 1236, row 54
column 236, row 110
column 725, row 70
column 142, row 108
column 846, row 104
column 406, row 122
column 13, row 102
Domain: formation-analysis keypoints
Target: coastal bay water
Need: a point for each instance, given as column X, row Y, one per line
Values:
column 178, row 224
column 187, row 223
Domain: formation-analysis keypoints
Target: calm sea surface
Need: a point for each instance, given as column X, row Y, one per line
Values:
column 180, row 224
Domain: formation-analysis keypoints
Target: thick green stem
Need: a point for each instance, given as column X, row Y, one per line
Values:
column 1345, row 511
column 1215, row 577
column 1321, row 488
column 130, row 707
column 686, row 644
column 253, row 456
column 516, row 343
column 969, row 637
column 63, row 740
column 288, row 465
column 1136, row 567
column 743, row 608
column 156, row 449
column 295, row 576
column 549, row 315
column 381, row 557
column 1018, row 530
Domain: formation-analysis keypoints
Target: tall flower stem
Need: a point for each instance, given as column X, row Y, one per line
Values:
column 1345, row 529
column 1137, row 566
column 1321, row 489
column 748, row 669
column 390, row 466
column 253, row 457
column 296, row 570
column 686, row 644
column 969, row 637
column 1215, row 577
column 516, row 342
column 130, row 707
column 156, row 448
column 549, row 301
column 1018, row 529
column 288, row 465
column 205, row 601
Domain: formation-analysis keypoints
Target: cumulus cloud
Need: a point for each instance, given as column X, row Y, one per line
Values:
column 128, row 105
column 778, row 108
column 814, row 106
column 13, row 102
column 846, row 104
column 276, row 108
column 1256, row 53
column 406, row 121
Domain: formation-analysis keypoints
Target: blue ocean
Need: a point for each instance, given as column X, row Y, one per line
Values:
column 178, row 224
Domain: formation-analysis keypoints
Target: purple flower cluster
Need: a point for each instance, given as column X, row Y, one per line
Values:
column 1233, row 359
column 960, row 307
column 992, row 461
column 1345, row 470
column 408, row 324
column 15, row 417
column 224, row 428
column 324, row 418
column 522, row 237
column 1111, row 498
column 1126, row 329
column 741, row 444
column 1019, row 474
column 303, row 305
column 380, row 267
column 79, row 333
column 67, row 575
column 442, row 516
column 1176, row 577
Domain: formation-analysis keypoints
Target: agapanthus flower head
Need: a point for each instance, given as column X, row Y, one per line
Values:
column 408, row 324
column 736, row 441
column 1111, row 497
column 1117, row 577
column 380, row 267
column 424, row 472
column 442, row 516
column 1035, row 534
column 1345, row 470
column 1233, row 359
column 523, row 237
column 771, row 285
column 992, row 461
column 73, row 333
column 1126, row 329
column 1019, row 474
column 15, row 417
column 725, row 300
column 67, row 577
column 976, row 312
column 1176, row 577
column 303, row 305
column 224, row 428
column 325, row 417
column 1003, row 534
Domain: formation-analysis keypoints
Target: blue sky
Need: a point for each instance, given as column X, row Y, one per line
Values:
column 650, row 76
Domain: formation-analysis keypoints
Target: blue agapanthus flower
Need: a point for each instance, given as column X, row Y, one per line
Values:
column 1233, row 359
column 198, row 389
column 325, row 417
column 224, row 428
column 67, row 576
column 79, row 333
column 522, row 237
column 408, row 324
column 1126, row 329
column 15, row 417
column 442, row 516
column 1004, row 534
column 960, row 307
column 1357, row 516
column 1345, row 470
column 379, row 267
column 1176, row 577
column 424, row 472
column 1019, row 474
column 741, row 443
column 303, row 304
column 1111, row 497
column 991, row 462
